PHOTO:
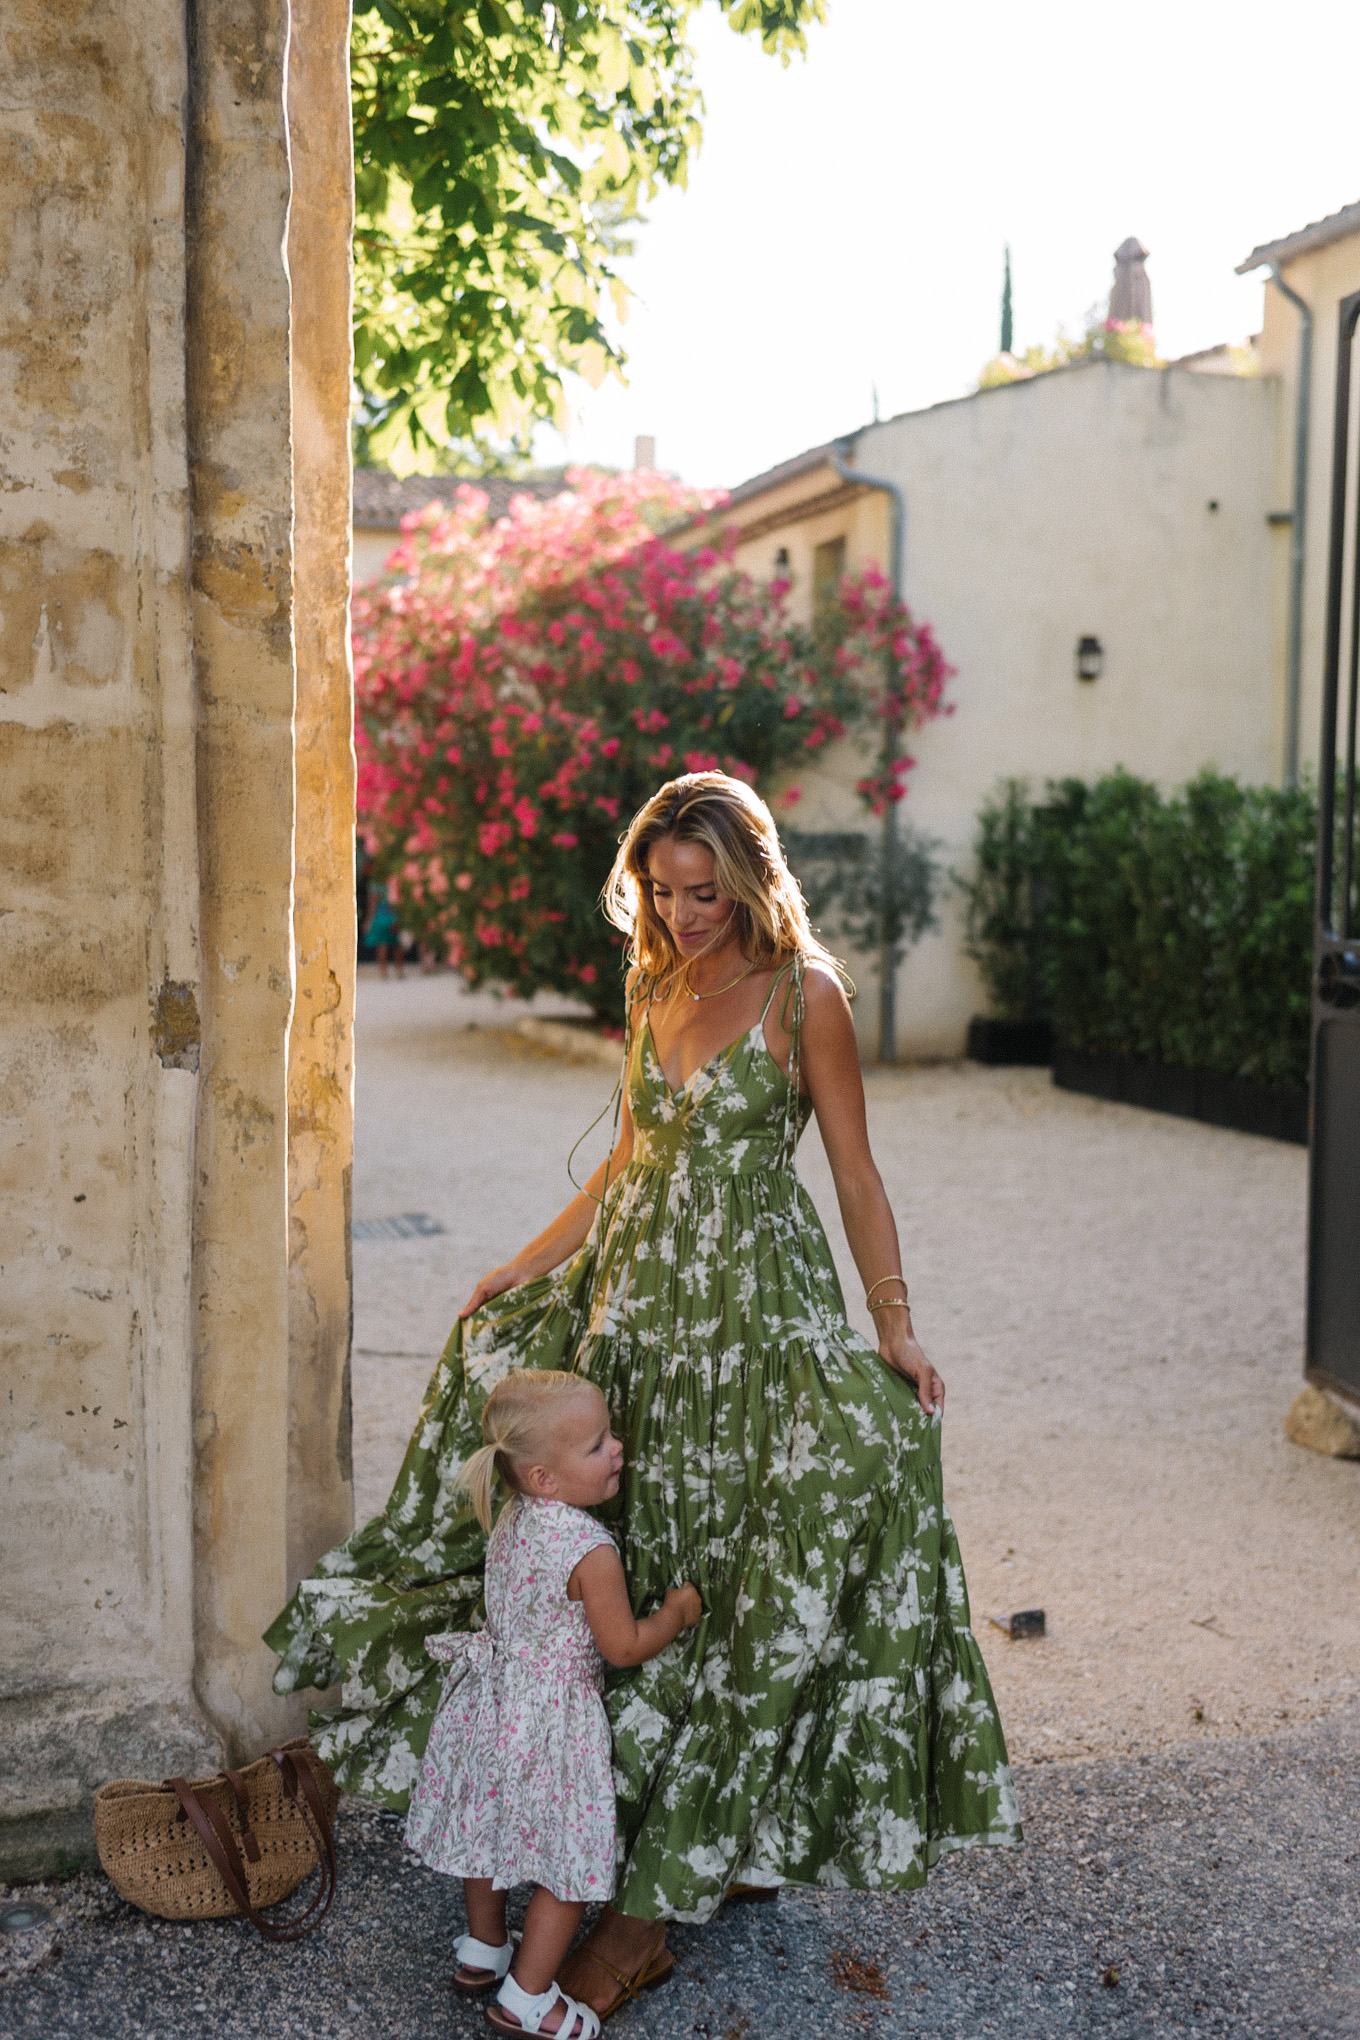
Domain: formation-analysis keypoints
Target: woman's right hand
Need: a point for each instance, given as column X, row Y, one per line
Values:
column 494, row 1284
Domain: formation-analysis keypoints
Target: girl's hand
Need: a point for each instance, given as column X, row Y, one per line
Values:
column 686, row 1602
column 494, row 1284
column 902, row 1352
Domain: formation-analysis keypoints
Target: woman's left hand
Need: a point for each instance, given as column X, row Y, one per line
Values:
column 903, row 1354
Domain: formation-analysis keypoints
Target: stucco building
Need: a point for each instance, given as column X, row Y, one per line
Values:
column 1307, row 274
column 1147, row 510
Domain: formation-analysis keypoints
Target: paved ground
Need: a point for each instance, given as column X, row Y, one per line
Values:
column 1115, row 1301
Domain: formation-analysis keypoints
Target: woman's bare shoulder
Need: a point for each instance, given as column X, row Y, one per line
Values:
column 823, row 991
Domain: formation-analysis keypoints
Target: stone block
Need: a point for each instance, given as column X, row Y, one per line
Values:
column 1320, row 1422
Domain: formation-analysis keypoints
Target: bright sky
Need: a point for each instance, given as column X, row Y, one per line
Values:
column 845, row 220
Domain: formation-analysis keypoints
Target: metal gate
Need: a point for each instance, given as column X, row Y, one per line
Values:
column 1334, row 1189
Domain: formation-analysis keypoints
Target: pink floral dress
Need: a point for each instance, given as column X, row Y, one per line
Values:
column 517, row 1784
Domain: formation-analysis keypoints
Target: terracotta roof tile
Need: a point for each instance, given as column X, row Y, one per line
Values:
column 1317, row 234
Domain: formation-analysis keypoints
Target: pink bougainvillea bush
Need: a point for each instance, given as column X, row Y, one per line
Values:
column 523, row 687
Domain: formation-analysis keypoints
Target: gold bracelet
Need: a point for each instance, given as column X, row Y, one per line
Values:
column 890, row 1303
column 879, row 1284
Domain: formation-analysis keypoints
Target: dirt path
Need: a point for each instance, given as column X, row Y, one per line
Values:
column 1114, row 1298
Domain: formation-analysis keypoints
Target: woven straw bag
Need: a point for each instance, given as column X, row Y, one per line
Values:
column 213, row 1847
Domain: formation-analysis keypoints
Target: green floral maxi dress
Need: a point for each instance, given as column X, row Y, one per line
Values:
column 830, row 1720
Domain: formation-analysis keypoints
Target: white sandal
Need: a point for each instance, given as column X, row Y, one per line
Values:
column 578, row 2021
column 484, row 1965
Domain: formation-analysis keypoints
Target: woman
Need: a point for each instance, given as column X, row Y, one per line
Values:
column 830, row 1720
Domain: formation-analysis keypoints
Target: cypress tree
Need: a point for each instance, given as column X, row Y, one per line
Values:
column 1007, row 327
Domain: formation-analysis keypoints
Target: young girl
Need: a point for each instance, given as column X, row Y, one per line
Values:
column 517, row 1786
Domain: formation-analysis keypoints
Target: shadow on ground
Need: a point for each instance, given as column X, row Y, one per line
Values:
column 1208, row 1892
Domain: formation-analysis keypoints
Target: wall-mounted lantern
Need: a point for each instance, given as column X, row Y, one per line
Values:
column 1090, row 658
column 782, row 570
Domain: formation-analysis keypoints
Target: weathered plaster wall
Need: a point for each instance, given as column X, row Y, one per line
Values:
column 146, row 859
column 100, row 911
column 320, row 1043
column 241, row 507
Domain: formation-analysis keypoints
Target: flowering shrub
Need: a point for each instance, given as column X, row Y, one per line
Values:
column 896, row 671
column 523, row 687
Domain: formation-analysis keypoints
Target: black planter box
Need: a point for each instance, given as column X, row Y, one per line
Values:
column 1278, row 1111
column 1026, row 1042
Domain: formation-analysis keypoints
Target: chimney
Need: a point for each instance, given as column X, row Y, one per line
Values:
column 1131, row 295
column 644, row 451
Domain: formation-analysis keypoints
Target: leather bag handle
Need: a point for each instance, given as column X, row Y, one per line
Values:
column 248, row 1841
column 220, row 1843
column 296, row 1767
column 215, row 1833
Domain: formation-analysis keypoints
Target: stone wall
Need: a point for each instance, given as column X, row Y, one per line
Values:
column 176, row 1447
column 320, row 1042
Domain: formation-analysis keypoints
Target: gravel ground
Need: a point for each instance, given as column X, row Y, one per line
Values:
column 1115, row 1300
column 1207, row 1892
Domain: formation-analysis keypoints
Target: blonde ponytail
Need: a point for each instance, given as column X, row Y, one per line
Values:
column 475, row 1481
column 517, row 1422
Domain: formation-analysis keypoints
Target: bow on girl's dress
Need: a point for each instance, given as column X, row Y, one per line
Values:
column 473, row 1646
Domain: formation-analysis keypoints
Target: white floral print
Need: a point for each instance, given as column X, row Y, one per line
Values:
column 516, row 1783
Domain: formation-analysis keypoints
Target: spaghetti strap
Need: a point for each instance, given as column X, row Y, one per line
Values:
column 615, row 1098
column 774, row 987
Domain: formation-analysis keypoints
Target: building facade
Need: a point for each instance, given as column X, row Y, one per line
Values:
column 1307, row 275
column 1124, row 505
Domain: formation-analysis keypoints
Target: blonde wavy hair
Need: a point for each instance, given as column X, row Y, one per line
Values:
column 749, row 867
column 517, row 1425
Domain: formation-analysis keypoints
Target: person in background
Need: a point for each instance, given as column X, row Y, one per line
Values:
column 384, row 933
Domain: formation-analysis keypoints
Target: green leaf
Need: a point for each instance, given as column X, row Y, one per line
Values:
column 488, row 137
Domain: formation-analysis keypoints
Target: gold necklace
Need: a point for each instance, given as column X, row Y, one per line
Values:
column 721, row 988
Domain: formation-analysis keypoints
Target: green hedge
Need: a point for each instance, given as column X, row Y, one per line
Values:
column 1176, row 928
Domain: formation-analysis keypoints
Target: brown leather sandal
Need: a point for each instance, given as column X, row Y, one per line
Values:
column 655, row 1968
